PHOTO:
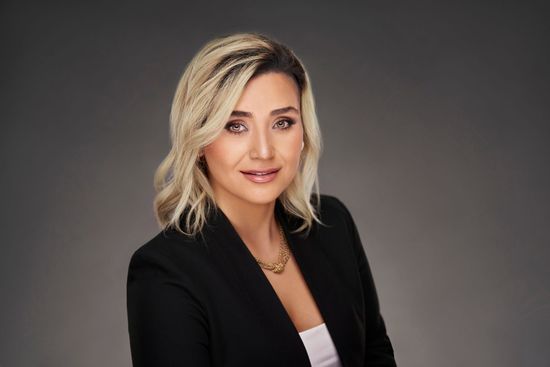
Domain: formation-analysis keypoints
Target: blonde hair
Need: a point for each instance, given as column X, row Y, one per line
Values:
column 205, row 96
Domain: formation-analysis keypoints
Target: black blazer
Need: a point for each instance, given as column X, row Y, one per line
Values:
column 204, row 301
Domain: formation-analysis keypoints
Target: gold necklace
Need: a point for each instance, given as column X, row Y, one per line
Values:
column 284, row 255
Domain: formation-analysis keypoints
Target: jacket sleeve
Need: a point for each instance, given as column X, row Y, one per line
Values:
column 166, row 323
column 379, row 350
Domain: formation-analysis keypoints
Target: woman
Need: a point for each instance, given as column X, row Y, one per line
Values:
column 251, row 268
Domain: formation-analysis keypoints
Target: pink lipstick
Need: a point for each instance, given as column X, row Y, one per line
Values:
column 261, row 176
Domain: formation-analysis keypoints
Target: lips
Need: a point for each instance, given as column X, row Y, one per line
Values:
column 261, row 176
column 261, row 172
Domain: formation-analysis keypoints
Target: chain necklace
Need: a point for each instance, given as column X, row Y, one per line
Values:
column 284, row 255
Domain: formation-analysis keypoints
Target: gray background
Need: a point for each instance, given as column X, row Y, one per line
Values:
column 435, row 122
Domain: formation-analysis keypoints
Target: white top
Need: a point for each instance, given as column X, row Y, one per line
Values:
column 320, row 348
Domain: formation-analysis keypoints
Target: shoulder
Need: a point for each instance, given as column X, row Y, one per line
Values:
column 339, row 237
column 332, row 203
column 338, row 222
column 334, row 209
column 336, row 226
column 166, row 253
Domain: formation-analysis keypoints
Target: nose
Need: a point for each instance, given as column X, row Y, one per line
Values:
column 261, row 145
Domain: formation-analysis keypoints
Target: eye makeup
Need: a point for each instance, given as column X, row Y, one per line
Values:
column 231, row 124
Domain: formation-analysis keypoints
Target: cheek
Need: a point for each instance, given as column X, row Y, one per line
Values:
column 222, row 154
column 293, row 150
column 214, row 155
column 296, row 142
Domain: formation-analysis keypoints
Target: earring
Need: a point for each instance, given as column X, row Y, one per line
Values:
column 201, row 158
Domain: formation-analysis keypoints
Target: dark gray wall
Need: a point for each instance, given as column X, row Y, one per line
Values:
column 435, row 122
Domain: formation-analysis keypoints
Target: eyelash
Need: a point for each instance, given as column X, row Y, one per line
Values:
column 233, row 123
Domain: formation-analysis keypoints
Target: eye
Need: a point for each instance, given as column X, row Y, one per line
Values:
column 230, row 127
column 233, row 127
column 286, row 123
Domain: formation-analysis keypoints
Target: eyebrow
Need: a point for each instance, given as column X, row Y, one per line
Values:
column 275, row 112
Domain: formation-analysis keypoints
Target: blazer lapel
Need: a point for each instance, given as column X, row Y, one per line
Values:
column 238, row 263
column 335, row 305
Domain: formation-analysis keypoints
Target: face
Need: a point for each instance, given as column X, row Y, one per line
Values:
column 264, row 133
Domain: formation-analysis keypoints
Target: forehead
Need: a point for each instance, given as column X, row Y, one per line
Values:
column 268, row 91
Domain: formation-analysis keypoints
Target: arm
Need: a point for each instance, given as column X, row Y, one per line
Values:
column 166, row 324
column 379, row 350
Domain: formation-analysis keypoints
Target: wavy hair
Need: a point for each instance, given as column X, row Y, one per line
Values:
column 205, row 96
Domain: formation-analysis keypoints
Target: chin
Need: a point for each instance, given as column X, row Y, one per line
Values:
column 262, row 195
column 261, row 198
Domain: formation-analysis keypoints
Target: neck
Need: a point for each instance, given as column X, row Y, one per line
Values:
column 255, row 223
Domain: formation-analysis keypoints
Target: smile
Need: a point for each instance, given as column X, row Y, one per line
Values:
column 261, row 176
